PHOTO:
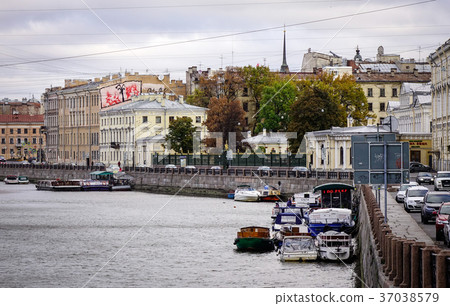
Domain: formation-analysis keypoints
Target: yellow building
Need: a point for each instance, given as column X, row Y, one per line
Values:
column 131, row 132
column 22, row 137
column 420, row 147
column 381, row 87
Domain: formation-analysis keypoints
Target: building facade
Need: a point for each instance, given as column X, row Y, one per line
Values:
column 440, row 101
column 21, row 137
column 130, row 133
column 72, row 113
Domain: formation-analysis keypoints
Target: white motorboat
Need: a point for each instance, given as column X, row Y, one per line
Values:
column 298, row 248
column 325, row 219
column 246, row 193
column 11, row 179
column 335, row 245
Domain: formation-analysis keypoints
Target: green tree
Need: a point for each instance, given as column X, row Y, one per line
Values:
column 317, row 108
column 180, row 135
column 276, row 102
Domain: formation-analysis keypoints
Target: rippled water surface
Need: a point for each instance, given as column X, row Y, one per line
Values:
column 134, row 239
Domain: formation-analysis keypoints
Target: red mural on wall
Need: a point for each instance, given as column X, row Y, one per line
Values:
column 119, row 93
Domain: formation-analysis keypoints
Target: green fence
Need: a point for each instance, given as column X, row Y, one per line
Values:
column 239, row 159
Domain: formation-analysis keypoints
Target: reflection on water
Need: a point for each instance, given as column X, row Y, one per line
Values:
column 52, row 239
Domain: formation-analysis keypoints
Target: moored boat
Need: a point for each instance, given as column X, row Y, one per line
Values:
column 11, row 179
column 246, row 193
column 298, row 248
column 23, row 180
column 254, row 238
column 59, row 185
column 287, row 218
column 334, row 245
column 94, row 185
column 326, row 219
column 269, row 194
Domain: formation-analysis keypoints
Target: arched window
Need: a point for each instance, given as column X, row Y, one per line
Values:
column 341, row 156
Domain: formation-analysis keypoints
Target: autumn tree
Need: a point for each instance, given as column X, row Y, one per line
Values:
column 224, row 116
column 276, row 102
column 180, row 136
column 318, row 107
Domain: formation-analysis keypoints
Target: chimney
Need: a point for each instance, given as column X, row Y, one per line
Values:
column 393, row 71
column 181, row 99
column 264, row 132
column 416, row 72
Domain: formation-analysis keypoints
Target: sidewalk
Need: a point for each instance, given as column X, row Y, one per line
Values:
column 400, row 222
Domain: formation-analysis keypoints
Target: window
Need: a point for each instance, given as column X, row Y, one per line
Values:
column 3, row 131
column 245, row 106
column 19, row 131
column 11, row 131
column 198, row 119
column 171, row 118
column 370, row 107
column 382, row 92
column 11, row 141
column 19, row 141
column 34, row 140
column 25, row 140
column 25, row 131
column 3, row 140
column 394, row 92
column 3, row 151
column 158, row 119
column 144, row 119
column 382, row 107
column 341, row 156
column 369, row 92
column 245, row 92
column 34, row 131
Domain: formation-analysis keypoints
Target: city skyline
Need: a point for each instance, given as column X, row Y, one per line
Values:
column 49, row 41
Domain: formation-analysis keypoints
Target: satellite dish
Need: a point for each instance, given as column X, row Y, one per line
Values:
column 390, row 123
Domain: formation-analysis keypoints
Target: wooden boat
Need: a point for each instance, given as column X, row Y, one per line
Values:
column 269, row 194
column 11, row 179
column 298, row 248
column 23, row 180
column 254, row 238
column 59, row 185
column 335, row 246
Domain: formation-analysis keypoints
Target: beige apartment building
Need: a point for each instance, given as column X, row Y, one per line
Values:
column 72, row 119
column 440, row 103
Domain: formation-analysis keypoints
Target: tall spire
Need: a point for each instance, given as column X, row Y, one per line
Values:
column 284, row 67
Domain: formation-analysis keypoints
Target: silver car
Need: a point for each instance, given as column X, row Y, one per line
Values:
column 402, row 190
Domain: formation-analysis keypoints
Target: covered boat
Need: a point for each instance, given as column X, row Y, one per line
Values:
column 95, row 185
column 335, row 245
column 326, row 219
column 298, row 248
column 11, row 179
column 287, row 218
column 254, row 238
column 59, row 185
column 23, row 180
column 246, row 193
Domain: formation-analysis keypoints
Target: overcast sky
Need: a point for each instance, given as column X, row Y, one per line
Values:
column 44, row 42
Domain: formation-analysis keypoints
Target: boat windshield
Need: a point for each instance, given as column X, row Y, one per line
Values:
column 294, row 245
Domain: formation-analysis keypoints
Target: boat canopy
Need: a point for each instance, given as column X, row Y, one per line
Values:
column 101, row 175
column 329, row 186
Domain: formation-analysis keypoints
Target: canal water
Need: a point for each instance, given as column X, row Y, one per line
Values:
column 135, row 239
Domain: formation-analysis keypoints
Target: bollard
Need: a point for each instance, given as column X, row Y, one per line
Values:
column 416, row 249
column 426, row 265
column 387, row 255
column 392, row 263
column 399, row 259
column 441, row 268
column 407, row 245
column 385, row 229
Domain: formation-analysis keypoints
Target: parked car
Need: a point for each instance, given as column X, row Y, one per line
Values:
column 265, row 170
column 418, row 167
column 425, row 178
column 170, row 166
column 190, row 167
column 300, row 169
column 402, row 190
column 414, row 198
column 99, row 165
column 441, row 220
column 442, row 180
column 431, row 203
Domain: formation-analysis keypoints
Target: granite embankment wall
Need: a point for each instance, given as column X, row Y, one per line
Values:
column 203, row 182
column 397, row 254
